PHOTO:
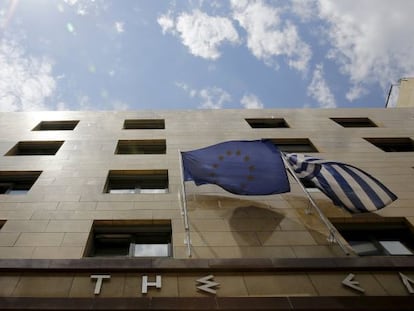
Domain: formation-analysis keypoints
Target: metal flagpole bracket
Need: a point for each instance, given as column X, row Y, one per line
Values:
column 331, row 237
column 309, row 209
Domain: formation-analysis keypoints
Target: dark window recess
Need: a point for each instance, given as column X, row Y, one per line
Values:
column 289, row 145
column 141, row 146
column 393, row 144
column 388, row 238
column 2, row 222
column 56, row 125
column 144, row 124
column 130, row 239
column 267, row 123
column 17, row 182
column 354, row 122
column 35, row 148
column 137, row 181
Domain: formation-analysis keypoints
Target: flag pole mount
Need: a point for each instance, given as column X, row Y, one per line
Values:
column 309, row 209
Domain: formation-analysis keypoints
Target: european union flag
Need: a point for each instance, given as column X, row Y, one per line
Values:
column 240, row 167
column 346, row 185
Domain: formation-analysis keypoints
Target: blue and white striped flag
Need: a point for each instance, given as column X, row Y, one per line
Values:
column 347, row 186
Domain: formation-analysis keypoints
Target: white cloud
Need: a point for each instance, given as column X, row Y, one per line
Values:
column 355, row 92
column 201, row 33
column 84, row 7
column 305, row 9
column 60, row 8
column 183, row 86
column 319, row 90
column 119, row 27
column 371, row 40
column 251, row 101
column 85, row 103
column 269, row 38
column 215, row 4
column 61, row 106
column 71, row 2
column 213, row 98
column 166, row 22
column 106, row 102
column 210, row 97
column 25, row 82
column 119, row 105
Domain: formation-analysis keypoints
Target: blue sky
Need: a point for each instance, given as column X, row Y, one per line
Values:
column 192, row 54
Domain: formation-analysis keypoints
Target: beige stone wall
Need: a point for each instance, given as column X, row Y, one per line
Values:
column 406, row 93
column 54, row 219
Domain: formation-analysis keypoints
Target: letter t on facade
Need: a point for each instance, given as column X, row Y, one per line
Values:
column 99, row 278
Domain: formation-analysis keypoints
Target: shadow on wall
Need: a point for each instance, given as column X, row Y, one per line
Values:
column 247, row 229
column 234, row 223
column 253, row 225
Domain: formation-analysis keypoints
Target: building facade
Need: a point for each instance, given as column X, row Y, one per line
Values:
column 92, row 214
column 405, row 93
column 401, row 94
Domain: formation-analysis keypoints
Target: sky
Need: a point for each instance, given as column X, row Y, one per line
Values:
column 195, row 54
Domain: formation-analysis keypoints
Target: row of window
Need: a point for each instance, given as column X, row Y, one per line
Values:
column 393, row 237
column 160, row 123
column 118, row 181
column 148, row 146
column 69, row 125
column 281, row 123
column 153, row 238
column 158, row 146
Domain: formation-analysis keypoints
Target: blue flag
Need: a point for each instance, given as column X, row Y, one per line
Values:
column 346, row 185
column 240, row 167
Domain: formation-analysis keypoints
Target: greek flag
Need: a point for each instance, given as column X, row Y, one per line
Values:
column 240, row 167
column 346, row 185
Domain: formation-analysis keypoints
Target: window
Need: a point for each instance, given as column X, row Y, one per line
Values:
column 56, row 125
column 17, row 182
column 35, row 148
column 391, row 237
column 137, row 181
column 141, row 146
column 294, row 144
column 267, row 123
column 2, row 222
column 392, row 144
column 144, row 124
column 354, row 122
column 130, row 239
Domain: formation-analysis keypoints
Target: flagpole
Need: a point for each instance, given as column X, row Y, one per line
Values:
column 184, row 211
column 332, row 230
